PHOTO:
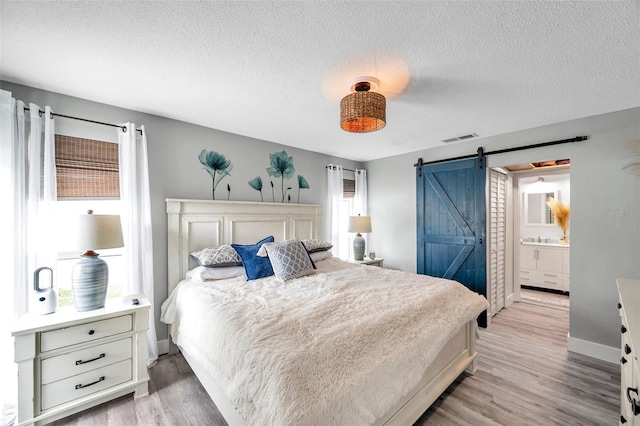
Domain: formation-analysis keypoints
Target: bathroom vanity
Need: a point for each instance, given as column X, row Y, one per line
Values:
column 545, row 265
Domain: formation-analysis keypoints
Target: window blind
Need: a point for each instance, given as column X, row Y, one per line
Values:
column 348, row 188
column 86, row 168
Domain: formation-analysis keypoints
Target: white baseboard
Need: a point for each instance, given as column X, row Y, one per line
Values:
column 163, row 347
column 594, row 350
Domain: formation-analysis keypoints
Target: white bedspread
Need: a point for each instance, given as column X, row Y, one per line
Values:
column 340, row 347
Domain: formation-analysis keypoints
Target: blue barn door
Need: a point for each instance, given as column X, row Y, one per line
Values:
column 451, row 223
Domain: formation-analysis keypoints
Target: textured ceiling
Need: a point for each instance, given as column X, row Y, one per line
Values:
column 277, row 70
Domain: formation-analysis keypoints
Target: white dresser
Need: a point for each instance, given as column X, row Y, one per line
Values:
column 69, row 361
column 545, row 265
column 629, row 306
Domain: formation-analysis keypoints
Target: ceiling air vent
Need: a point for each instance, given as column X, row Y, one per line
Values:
column 460, row 138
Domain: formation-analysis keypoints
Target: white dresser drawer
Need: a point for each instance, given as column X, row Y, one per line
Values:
column 62, row 337
column 62, row 391
column 78, row 362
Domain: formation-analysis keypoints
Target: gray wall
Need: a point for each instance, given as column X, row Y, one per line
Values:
column 174, row 169
column 605, row 201
column 605, row 209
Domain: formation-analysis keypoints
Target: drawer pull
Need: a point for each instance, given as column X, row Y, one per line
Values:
column 627, row 349
column 623, row 360
column 80, row 386
column 80, row 362
column 635, row 403
column 619, row 305
column 623, row 329
column 622, row 419
column 550, row 275
column 550, row 282
column 91, row 332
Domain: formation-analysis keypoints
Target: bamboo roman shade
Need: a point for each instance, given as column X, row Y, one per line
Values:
column 86, row 168
column 348, row 188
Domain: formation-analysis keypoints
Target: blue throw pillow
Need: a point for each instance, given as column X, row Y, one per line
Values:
column 254, row 265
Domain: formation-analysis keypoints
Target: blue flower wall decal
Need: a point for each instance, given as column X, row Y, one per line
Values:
column 215, row 163
column 273, row 195
column 282, row 167
column 302, row 184
column 256, row 183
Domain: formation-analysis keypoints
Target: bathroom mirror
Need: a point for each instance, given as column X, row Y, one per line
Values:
column 536, row 209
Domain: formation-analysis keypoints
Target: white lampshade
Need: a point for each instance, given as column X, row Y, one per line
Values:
column 95, row 232
column 359, row 224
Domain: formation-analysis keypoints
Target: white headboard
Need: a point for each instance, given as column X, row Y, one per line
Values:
column 195, row 224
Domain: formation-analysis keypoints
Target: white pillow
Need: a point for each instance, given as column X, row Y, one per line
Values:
column 202, row 273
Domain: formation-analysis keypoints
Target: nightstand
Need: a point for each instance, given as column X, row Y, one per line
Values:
column 69, row 361
column 375, row 262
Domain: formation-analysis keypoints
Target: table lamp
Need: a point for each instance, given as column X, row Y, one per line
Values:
column 359, row 224
column 90, row 276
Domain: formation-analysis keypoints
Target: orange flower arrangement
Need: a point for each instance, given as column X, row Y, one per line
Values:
column 560, row 215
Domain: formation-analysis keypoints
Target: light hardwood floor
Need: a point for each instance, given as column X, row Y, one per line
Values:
column 526, row 377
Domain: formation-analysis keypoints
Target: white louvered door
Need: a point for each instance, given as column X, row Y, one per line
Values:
column 497, row 235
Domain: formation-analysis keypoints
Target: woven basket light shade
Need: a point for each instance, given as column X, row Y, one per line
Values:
column 363, row 112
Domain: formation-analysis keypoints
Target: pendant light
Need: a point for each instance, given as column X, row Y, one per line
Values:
column 363, row 110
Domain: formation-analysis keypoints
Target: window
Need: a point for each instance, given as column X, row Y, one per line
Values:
column 345, row 242
column 87, row 175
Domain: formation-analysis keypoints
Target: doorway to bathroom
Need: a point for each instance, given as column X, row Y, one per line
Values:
column 529, row 255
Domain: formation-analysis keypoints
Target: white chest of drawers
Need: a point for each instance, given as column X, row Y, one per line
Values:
column 69, row 361
column 629, row 305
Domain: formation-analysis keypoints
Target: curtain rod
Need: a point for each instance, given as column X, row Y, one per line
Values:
column 349, row 170
column 53, row 114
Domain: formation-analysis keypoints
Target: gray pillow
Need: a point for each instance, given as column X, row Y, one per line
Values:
column 289, row 259
column 218, row 256
column 314, row 246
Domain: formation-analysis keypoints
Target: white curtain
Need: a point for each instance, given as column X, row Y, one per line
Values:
column 136, row 222
column 360, row 201
column 334, row 200
column 27, row 218
column 34, row 178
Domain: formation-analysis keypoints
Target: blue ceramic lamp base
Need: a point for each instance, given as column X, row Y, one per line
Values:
column 89, row 282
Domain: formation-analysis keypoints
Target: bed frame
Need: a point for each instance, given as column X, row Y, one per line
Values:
column 196, row 224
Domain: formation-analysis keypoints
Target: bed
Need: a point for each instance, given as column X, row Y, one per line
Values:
column 389, row 373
